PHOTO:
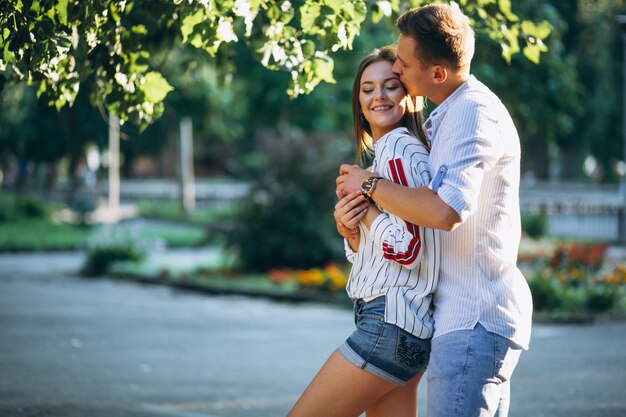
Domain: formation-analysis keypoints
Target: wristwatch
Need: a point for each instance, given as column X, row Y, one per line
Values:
column 368, row 186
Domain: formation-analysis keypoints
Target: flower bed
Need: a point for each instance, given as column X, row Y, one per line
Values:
column 330, row 278
column 573, row 280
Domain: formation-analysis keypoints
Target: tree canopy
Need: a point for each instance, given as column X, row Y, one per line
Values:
column 116, row 46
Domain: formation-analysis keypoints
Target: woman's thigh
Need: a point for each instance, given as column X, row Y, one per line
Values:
column 340, row 389
column 400, row 402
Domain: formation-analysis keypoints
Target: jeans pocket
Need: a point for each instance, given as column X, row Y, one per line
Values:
column 411, row 352
column 506, row 360
column 370, row 324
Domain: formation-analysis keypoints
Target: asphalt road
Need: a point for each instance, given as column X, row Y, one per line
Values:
column 76, row 347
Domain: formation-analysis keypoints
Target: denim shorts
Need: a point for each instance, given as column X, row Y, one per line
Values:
column 384, row 349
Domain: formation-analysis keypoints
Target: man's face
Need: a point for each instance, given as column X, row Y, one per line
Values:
column 414, row 76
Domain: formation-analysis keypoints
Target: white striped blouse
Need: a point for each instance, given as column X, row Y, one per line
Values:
column 397, row 259
column 475, row 164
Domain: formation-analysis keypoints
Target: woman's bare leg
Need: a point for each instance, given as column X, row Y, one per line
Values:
column 401, row 402
column 340, row 389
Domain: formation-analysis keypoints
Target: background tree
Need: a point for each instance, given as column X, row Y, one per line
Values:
column 544, row 100
column 59, row 45
column 595, row 40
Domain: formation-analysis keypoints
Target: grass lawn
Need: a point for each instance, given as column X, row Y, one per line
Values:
column 171, row 210
column 41, row 235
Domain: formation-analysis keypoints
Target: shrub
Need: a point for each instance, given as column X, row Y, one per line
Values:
column 576, row 279
column 286, row 221
column 99, row 260
column 14, row 207
column 535, row 225
column 601, row 297
column 113, row 244
column 545, row 292
column 31, row 207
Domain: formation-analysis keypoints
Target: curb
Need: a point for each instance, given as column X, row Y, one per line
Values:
column 338, row 299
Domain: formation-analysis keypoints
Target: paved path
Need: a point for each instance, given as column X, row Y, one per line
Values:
column 77, row 347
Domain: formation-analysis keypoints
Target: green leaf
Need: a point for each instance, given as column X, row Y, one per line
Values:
column 155, row 87
column 540, row 31
column 35, row 6
column 309, row 13
column 61, row 9
column 532, row 52
column 189, row 22
column 139, row 30
column 505, row 8
column 337, row 5
column 7, row 55
column 139, row 61
column 377, row 14
column 323, row 68
column 42, row 88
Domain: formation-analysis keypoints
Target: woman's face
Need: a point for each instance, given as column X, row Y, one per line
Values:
column 382, row 98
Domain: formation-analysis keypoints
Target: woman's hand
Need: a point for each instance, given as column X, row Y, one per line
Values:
column 348, row 213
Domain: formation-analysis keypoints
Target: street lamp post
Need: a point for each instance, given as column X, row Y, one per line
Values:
column 622, row 221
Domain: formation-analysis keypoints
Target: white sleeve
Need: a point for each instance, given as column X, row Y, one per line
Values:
column 404, row 162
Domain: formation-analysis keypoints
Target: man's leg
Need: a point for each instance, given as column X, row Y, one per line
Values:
column 468, row 374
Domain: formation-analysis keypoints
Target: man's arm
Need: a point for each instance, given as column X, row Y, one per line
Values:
column 419, row 206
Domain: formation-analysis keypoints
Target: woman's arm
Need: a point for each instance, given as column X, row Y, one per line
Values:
column 348, row 213
column 417, row 205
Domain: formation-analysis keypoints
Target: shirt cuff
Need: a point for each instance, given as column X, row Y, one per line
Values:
column 455, row 199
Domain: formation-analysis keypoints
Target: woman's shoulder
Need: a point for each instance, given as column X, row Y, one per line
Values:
column 399, row 141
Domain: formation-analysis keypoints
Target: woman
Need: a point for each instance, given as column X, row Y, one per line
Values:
column 395, row 264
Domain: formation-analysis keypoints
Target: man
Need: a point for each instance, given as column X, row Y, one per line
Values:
column 483, row 305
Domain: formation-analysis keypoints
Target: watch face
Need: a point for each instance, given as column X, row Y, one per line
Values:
column 367, row 185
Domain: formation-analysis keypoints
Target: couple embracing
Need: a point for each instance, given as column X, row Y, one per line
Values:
column 432, row 230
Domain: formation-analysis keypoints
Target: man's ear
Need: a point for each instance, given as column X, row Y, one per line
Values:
column 440, row 74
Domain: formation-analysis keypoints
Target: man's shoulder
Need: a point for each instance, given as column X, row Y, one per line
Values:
column 477, row 99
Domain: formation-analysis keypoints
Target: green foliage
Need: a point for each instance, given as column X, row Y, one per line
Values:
column 528, row 90
column 99, row 260
column 575, row 280
column 595, row 40
column 31, row 207
column 287, row 219
column 546, row 293
column 16, row 207
column 112, row 244
column 602, row 297
column 535, row 224
column 59, row 45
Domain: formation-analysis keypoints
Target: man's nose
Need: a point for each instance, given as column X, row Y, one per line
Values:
column 395, row 68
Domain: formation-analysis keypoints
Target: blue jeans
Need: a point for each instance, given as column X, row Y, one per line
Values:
column 469, row 374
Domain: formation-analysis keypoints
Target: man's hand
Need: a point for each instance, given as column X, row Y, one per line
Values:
column 350, row 179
